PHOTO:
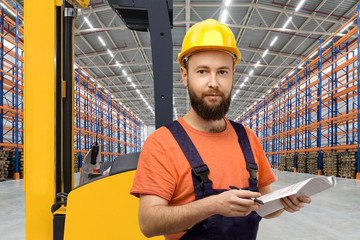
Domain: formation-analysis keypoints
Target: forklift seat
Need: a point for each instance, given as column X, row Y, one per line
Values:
column 124, row 163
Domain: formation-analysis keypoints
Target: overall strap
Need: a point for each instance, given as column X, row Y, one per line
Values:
column 200, row 170
column 251, row 165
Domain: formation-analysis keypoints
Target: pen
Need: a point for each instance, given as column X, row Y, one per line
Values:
column 252, row 198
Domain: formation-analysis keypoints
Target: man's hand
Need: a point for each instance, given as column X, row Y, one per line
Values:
column 235, row 203
column 293, row 204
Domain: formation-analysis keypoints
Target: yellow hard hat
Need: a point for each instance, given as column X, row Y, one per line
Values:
column 209, row 34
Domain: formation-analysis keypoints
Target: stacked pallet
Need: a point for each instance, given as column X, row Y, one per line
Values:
column 11, row 164
column 330, row 164
column 290, row 162
column 21, row 164
column 347, row 168
column 282, row 165
column 76, row 162
column 312, row 163
column 3, row 165
column 301, row 163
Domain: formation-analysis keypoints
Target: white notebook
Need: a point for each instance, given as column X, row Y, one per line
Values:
column 306, row 188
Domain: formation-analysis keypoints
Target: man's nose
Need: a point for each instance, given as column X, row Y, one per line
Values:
column 213, row 81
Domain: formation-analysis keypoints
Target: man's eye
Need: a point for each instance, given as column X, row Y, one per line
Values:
column 201, row 71
column 223, row 72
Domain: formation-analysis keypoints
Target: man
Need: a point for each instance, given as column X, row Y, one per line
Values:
column 186, row 168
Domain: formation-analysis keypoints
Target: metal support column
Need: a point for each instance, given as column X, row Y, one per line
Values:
column 68, row 103
column 296, row 116
column 125, row 134
column 319, row 116
column 2, row 77
column 358, row 91
column 40, row 101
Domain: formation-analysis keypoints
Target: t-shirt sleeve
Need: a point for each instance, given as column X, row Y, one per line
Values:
column 154, row 174
column 265, row 174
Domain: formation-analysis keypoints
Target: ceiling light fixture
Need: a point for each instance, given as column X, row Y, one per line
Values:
column 102, row 41
column 346, row 27
column 88, row 23
column 312, row 55
column 299, row 5
column 227, row 3
column 287, row 23
column 4, row 6
column 110, row 53
column 273, row 41
column 265, row 53
column 325, row 44
column 223, row 16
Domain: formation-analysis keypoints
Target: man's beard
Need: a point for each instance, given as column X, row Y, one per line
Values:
column 204, row 110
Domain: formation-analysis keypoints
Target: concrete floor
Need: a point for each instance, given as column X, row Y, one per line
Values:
column 332, row 215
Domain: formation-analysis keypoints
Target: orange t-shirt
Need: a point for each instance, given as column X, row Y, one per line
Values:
column 163, row 169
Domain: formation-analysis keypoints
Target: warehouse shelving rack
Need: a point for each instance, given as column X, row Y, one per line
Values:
column 11, row 84
column 100, row 117
column 315, row 107
column 119, row 129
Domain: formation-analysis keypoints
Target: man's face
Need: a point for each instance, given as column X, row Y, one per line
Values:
column 210, row 79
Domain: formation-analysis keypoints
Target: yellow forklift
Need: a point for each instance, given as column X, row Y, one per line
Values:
column 102, row 208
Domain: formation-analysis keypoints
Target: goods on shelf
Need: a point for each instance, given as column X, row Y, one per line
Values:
column 330, row 164
column 11, row 164
column 290, row 162
column 282, row 165
column 3, row 165
column 347, row 167
column 76, row 162
column 21, row 164
column 301, row 163
column 312, row 163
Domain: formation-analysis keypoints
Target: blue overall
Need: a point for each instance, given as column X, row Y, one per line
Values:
column 218, row 226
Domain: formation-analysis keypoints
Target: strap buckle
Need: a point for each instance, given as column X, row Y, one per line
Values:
column 253, row 169
column 58, row 204
column 202, row 171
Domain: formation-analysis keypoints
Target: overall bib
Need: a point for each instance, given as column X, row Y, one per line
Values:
column 218, row 226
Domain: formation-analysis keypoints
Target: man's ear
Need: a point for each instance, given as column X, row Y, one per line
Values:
column 184, row 76
column 233, row 74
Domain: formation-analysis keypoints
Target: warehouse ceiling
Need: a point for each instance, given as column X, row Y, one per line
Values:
column 271, row 35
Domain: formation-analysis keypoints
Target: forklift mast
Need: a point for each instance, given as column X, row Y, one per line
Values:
column 49, row 110
column 154, row 16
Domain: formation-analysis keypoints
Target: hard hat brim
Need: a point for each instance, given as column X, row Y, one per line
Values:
column 232, row 50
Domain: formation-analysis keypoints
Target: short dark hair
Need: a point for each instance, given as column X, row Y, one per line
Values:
column 186, row 64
